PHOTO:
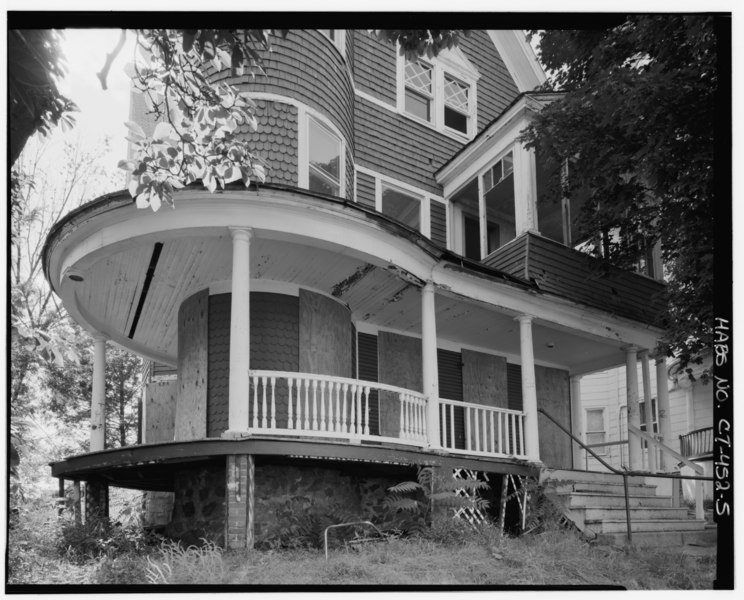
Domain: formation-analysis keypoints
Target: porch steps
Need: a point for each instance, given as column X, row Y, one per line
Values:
column 595, row 503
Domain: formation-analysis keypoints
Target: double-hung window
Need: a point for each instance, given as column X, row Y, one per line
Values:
column 596, row 430
column 325, row 152
column 419, row 93
column 440, row 92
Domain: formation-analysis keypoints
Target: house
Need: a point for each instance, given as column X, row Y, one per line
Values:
column 690, row 417
column 399, row 293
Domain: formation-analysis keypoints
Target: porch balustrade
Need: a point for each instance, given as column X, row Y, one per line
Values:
column 289, row 403
column 696, row 443
column 478, row 429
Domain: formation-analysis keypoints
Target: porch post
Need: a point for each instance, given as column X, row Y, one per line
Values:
column 662, row 406
column 525, row 189
column 647, row 408
column 430, row 375
column 529, row 389
column 239, row 331
column 98, row 396
column 634, row 417
column 577, row 419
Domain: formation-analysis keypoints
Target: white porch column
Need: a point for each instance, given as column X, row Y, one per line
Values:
column 634, row 416
column 482, row 219
column 662, row 406
column 525, row 189
column 240, row 344
column 577, row 420
column 429, row 363
column 98, row 396
column 529, row 389
column 647, row 408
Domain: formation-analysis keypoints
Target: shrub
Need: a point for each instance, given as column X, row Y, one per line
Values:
column 128, row 569
column 82, row 542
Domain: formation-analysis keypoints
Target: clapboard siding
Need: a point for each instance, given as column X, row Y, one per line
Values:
column 510, row 258
column 438, row 223
column 571, row 274
column 365, row 190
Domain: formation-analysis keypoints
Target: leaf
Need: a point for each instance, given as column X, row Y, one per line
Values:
column 164, row 131
column 405, row 487
column 133, row 188
column 126, row 165
column 142, row 201
column 135, row 130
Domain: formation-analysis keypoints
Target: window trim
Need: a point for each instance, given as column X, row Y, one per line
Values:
column 304, row 114
column 454, row 64
column 382, row 183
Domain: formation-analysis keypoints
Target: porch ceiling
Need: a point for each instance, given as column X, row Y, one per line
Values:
column 118, row 292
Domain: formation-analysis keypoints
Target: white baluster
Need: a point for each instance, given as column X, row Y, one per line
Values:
column 484, row 415
column 315, row 405
column 323, row 426
column 290, row 421
column 520, row 420
column 263, row 404
column 468, row 429
column 400, row 402
column 273, row 403
column 366, row 411
column 514, row 440
column 493, row 434
column 476, row 418
column 344, row 423
column 452, row 425
column 500, row 417
column 354, row 410
column 306, row 386
column 337, row 406
column 255, row 402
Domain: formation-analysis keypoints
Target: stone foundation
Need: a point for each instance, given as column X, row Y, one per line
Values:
column 285, row 495
column 199, row 505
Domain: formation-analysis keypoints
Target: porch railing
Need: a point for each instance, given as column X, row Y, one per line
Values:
column 478, row 429
column 696, row 443
column 324, row 406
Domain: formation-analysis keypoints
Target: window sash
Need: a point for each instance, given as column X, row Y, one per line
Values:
column 325, row 140
column 402, row 206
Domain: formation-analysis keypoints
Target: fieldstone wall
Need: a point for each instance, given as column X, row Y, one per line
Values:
column 199, row 505
column 284, row 492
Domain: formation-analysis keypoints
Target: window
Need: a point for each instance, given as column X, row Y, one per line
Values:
column 325, row 155
column 440, row 92
column 654, row 418
column 419, row 94
column 401, row 206
column 596, row 431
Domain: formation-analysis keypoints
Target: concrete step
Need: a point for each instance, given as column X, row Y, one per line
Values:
column 598, row 513
column 646, row 525
column 600, row 487
column 586, row 499
column 661, row 538
column 565, row 475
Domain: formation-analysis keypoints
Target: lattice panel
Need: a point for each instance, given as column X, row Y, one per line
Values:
column 472, row 513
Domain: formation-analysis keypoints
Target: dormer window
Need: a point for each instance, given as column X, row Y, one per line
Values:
column 440, row 93
column 419, row 94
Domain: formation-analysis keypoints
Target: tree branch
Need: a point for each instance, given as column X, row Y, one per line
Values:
column 110, row 57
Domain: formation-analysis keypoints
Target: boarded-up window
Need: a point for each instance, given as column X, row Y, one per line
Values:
column 595, row 427
column 367, row 357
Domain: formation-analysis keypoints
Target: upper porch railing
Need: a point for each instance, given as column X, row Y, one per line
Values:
column 308, row 405
column 696, row 443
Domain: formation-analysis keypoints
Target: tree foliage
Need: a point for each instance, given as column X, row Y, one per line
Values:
column 636, row 124
column 35, row 65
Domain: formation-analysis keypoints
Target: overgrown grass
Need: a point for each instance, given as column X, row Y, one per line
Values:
column 452, row 555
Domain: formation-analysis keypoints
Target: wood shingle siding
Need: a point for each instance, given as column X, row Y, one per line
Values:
column 496, row 87
column 365, row 192
column 390, row 143
column 576, row 276
column 307, row 67
column 438, row 223
column 374, row 66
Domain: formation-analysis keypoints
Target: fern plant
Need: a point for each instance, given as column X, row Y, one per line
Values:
column 434, row 490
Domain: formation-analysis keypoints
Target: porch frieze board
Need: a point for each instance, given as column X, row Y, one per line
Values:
column 593, row 323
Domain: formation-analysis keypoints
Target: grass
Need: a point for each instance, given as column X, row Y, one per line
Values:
column 444, row 557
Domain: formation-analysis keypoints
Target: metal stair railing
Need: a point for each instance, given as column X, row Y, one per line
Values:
column 626, row 473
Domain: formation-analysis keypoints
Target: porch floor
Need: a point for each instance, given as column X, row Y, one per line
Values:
column 151, row 466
